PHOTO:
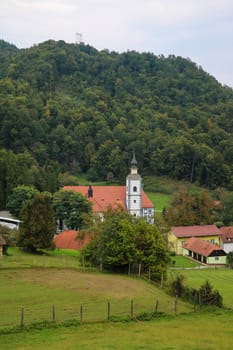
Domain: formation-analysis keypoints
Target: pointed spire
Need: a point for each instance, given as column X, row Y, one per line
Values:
column 134, row 161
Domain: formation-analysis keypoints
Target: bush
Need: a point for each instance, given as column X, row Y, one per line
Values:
column 205, row 295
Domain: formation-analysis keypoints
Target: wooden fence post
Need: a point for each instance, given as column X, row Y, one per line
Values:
column 156, row 306
column 22, row 317
column 109, row 310
column 53, row 314
column 175, row 304
column 81, row 313
column 149, row 275
column 131, row 309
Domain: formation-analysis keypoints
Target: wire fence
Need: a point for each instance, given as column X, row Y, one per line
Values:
column 94, row 311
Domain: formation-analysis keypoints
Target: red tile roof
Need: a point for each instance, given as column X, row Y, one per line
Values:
column 227, row 234
column 105, row 196
column 195, row 231
column 201, row 247
column 68, row 240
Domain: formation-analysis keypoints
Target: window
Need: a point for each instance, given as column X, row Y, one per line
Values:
column 212, row 241
column 216, row 258
column 135, row 189
column 134, row 201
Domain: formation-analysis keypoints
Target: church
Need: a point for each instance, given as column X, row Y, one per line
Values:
column 130, row 197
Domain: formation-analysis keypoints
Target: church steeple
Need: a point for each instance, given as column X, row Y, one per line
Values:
column 134, row 164
column 134, row 189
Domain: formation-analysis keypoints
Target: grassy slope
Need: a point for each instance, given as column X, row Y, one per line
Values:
column 37, row 290
column 194, row 332
column 221, row 279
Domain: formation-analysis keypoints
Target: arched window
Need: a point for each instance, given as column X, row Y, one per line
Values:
column 135, row 189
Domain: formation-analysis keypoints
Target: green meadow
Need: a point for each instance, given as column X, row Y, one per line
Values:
column 192, row 331
column 89, row 309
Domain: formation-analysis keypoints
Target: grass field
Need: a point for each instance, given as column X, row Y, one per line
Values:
column 193, row 332
column 56, row 279
column 183, row 262
column 159, row 200
column 221, row 279
column 37, row 290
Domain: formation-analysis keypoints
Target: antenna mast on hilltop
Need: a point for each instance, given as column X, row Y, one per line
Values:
column 79, row 38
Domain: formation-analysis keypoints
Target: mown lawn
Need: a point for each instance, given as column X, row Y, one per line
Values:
column 220, row 278
column 183, row 262
column 193, row 332
column 60, row 258
column 159, row 200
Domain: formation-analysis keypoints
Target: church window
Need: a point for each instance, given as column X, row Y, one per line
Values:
column 135, row 189
column 134, row 201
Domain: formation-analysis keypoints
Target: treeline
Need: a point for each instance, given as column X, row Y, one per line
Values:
column 79, row 110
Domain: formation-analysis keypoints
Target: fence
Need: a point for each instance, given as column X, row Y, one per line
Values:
column 95, row 311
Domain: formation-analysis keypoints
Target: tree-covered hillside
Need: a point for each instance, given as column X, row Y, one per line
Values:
column 69, row 107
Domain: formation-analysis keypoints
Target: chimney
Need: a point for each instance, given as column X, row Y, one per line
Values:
column 90, row 192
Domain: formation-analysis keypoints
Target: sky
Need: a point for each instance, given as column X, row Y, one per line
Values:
column 201, row 30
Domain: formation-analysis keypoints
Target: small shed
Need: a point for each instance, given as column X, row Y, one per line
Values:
column 2, row 243
column 205, row 252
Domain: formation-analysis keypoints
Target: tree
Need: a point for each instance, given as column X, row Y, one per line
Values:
column 38, row 227
column 19, row 197
column 227, row 214
column 69, row 207
column 152, row 250
column 121, row 240
column 190, row 208
column 208, row 296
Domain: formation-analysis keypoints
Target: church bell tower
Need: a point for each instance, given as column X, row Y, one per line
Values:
column 134, row 190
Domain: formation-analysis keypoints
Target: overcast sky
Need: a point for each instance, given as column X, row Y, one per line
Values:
column 201, row 30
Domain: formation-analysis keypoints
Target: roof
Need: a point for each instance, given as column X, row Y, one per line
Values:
column 2, row 241
column 196, row 231
column 227, row 234
column 68, row 240
column 202, row 247
column 108, row 196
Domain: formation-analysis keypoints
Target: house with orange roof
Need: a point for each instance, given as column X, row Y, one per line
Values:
column 227, row 238
column 130, row 197
column 205, row 252
column 179, row 235
column 69, row 239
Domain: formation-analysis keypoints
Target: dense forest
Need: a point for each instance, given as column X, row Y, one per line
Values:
column 69, row 108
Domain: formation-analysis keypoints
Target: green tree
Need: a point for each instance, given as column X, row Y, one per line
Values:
column 69, row 207
column 38, row 227
column 18, row 198
column 152, row 250
column 121, row 240
column 227, row 213
column 208, row 296
column 190, row 208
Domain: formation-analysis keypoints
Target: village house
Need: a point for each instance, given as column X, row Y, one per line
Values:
column 179, row 235
column 227, row 238
column 203, row 251
column 130, row 197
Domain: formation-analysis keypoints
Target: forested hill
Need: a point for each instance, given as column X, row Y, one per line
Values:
column 72, row 107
